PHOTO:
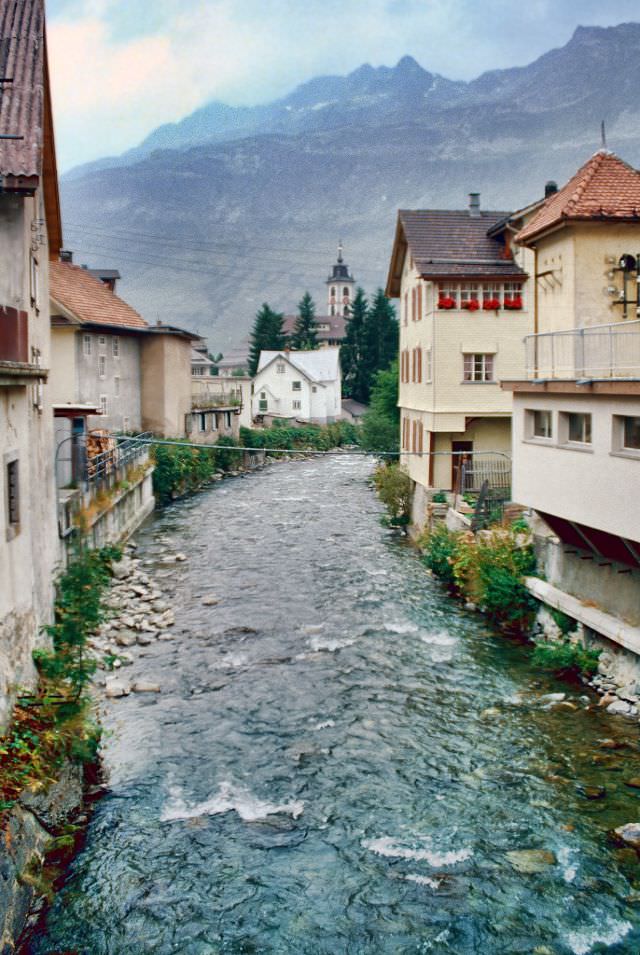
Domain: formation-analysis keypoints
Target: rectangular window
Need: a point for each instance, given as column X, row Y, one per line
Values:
column 427, row 365
column 227, row 419
column 34, row 283
column 104, row 404
column 491, row 295
column 263, row 404
column 280, row 367
column 539, row 424
column 297, row 405
column 468, row 293
column 296, row 386
column 448, row 295
column 512, row 298
column 313, row 389
column 115, row 346
column 579, row 427
column 102, row 342
column 478, row 367
column 198, row 371
column 102, row 366
column 202, row 422
column 12, row 474
column 116, row 387
column 86, row 344
column 631, row 434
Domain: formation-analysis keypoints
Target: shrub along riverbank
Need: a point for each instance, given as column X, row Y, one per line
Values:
column 487, row 570
column 182, row 470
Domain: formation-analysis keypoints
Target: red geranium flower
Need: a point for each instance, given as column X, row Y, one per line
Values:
column 514, row 303
column 491, row 304
column 472, row 305
column 446, row 301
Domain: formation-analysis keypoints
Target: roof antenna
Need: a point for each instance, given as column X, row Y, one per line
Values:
column 603, row 135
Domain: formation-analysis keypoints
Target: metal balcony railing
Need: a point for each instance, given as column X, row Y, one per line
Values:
column 598, row 351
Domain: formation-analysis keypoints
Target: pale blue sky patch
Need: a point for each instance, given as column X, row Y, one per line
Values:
column 122, row 67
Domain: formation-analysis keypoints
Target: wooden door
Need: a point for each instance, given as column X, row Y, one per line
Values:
column 456, row 462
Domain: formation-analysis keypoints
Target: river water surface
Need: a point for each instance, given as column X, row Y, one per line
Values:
column 320, row 775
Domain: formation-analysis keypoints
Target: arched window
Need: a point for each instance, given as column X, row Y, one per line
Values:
column 333, row 290
column 333, row 310
column 345, row 310
column 345, row 291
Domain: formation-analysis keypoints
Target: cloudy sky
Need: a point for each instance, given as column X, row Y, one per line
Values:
column 122, row 67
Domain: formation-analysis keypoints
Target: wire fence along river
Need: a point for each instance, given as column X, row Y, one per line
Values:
column 342, row 760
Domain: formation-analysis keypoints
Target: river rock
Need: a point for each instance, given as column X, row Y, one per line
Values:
column 619, row 708
column 593, row 792
column 143, row 686
column 491, row 713
column 553, row 698
column 180, row 558
column 210, row 601
column 116, row 689
column 167, row 619
column 530, row 861
column 629, row 833
column 144, row 639
column 634, row 782
column 126, row 638
column 121, row 569
column 160, row 606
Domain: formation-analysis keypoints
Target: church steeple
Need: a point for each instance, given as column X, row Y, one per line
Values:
column 340, row 287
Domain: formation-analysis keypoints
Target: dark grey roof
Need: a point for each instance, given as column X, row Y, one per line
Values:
column 451, row 243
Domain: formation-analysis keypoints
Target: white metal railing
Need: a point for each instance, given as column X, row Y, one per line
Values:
column 598, row 351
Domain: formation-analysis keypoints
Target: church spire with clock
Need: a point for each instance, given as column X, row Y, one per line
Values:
column 340, row 287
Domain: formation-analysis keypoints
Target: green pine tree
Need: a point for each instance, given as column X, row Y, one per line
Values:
column 267, row 335
column 353, row 350
column 381, row 423
column 384, row 328
column 305, row 334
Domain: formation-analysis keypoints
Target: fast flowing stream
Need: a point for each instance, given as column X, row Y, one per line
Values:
column 342, row 758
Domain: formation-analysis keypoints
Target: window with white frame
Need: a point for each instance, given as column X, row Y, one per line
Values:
column 104, row 404
column 538, row 424
column 86, row 344
column 492, row 292
column 102, row 342
column 202, row 421
column 102, row 366
column 468, row 292
column 574, row 427
column 448, row 295
column 296, row 386
column 197, row 371
column 227, row 419
column 478, row 367
column 115, row 346
column 280, row 367
column 297, row 405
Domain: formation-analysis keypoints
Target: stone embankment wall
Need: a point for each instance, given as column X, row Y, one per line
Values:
column 33, row 823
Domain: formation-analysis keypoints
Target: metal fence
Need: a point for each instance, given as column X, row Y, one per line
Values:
column 598, row 351
column 495, row 471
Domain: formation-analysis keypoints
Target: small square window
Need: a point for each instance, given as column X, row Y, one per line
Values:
column 297, row 405
column 631, row 434
column 478, row 367
column 296, row 386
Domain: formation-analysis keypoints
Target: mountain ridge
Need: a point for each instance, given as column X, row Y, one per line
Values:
column 250, row 214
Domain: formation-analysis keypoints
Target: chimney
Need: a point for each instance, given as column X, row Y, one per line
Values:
column 474, row 204
column 550, row 188
column 66, row 255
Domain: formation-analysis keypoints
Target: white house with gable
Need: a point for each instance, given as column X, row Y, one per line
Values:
column 305, row 385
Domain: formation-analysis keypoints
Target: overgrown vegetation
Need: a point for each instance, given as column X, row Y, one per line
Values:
column 487, row 569
column 565, row 658
column 53, row 724
column 394, row 489
column 381, row 423
column 311, row 437
column 179, row 470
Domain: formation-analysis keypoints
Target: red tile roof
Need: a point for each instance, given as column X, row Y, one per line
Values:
column 604, row 188
column 22, row 101
column 88, row 299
